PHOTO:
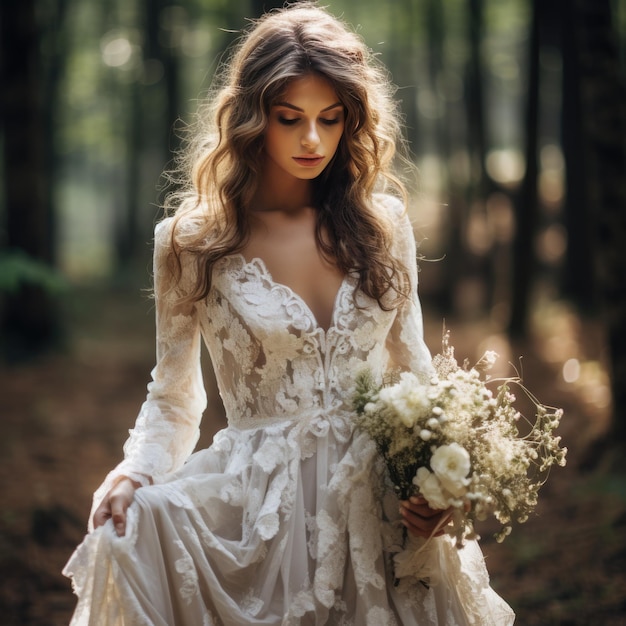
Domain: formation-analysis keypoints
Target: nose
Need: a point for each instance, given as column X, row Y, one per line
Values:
column 311, row 138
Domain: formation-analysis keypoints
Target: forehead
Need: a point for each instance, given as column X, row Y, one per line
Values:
column 309, row 92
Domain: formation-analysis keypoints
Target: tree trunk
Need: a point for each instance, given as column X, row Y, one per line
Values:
column 29, row 322
column 475, row 98
column 579, row 284
column 259, row 7
column 604, row 117
column 527, row 202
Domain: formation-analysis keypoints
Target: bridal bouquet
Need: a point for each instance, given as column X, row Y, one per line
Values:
column 459, row 441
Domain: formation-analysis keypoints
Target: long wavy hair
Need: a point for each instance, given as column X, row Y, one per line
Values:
column 220, row 168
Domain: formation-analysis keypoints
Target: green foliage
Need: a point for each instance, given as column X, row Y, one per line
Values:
column 17, row 268
column 365, row 390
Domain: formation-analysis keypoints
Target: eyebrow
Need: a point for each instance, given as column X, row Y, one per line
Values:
column 293, row 107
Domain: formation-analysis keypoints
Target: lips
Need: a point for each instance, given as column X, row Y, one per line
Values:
column 311, row 160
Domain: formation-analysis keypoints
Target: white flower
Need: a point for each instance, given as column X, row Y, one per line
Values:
column 451, row 464
column 425, row 434
column 407, row 398
column 487, row 361
column 430, row 488
column 491, row 356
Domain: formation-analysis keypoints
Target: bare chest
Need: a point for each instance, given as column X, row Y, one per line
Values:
column 293, row 259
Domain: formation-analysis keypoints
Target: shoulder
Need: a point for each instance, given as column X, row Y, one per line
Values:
column 185, row 232
column 396, row 215
column 392, row 206
column 402, row 238
column 163, row 232
column 174, row 268
column 173, row 237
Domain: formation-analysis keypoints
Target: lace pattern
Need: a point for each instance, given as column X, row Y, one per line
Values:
column 282, row 520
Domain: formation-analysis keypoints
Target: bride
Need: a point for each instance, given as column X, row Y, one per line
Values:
column 290, row 255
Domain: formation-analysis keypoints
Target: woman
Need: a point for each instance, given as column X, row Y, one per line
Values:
column 286, row 259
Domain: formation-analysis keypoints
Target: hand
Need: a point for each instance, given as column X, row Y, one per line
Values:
column 115, row 504
column 420, row 520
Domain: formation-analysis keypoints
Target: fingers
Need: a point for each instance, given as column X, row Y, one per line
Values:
column 121, row 497
column 115, row 505
column 421, row 520
column 102, row 514
column 119, row 504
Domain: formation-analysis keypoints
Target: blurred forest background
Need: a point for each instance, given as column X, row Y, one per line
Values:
column 516, row 117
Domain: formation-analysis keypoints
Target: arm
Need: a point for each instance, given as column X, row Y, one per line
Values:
column 405, row 343
column 408, row 352
column 167, row 427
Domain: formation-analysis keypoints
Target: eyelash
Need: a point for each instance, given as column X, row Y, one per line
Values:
column 290, row 122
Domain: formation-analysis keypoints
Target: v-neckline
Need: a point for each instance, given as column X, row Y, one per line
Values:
column 260, row 263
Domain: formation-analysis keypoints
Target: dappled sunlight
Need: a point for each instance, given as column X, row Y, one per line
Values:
column 116, row 49
column 478, row 234
column 506, row 166
column 432, row 175
column 501, row 217
column 500, row 344
column 552, row 178
column 551, row 244
column 580, row 358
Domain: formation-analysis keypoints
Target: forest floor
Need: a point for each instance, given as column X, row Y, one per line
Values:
column 65, row 417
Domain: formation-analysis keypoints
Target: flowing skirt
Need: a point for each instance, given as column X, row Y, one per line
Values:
column 274, row 525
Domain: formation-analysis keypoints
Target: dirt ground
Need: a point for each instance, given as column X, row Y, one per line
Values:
column 64, row 419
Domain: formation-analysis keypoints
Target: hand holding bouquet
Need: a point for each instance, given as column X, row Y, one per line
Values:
column 456, row 441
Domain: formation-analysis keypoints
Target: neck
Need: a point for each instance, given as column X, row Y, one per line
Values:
column 279, row 192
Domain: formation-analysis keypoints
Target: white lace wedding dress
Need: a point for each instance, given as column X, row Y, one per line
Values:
column 283, row 520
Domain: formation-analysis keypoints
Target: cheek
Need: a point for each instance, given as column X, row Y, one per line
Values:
column 338, row 137
column 273, row 141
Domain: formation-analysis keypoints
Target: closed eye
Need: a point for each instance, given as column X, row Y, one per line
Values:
column 330, row 122
column 287, row 121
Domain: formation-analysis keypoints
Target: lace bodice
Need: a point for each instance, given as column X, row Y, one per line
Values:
column 272, row 360
column 275, row 362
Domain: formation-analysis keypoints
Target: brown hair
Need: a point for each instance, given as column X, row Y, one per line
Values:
column 220, row 167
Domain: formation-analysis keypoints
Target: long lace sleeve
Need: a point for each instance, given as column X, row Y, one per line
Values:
column 167, row 427
column 405, row 342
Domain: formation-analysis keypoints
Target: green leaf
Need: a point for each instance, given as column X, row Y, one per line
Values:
column 18, row 268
